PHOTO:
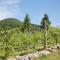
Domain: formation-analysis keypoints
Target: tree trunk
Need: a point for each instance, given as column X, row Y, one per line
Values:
column 27, row 38
column 56, row 40
column 45, row 34
column 34, row 40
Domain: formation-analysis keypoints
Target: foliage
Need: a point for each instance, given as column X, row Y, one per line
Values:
column 13, row 40
column 9, row 23
column 26, row 23
column 45, row 18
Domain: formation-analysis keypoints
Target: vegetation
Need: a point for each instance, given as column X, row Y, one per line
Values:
column 9, row 23
column 14, row 41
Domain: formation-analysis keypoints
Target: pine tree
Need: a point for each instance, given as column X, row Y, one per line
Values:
column 26, row 27
column 26, row 23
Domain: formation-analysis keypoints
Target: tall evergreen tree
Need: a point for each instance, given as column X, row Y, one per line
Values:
column 45, row 18
column 45, row 23
column 26, row 23
column 26, row 27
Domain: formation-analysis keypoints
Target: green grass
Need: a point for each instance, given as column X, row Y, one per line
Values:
column 52, row 56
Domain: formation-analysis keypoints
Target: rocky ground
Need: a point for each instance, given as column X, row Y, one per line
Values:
column 37, row 54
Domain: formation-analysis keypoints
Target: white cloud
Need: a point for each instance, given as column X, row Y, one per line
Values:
column 4, row 14
column 9, row 8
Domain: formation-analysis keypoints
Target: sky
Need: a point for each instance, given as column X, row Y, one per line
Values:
column 34, row 8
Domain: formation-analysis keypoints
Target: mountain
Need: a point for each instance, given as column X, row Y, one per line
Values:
column 10, row 23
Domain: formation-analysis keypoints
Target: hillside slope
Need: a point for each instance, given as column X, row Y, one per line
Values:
column 9, row 23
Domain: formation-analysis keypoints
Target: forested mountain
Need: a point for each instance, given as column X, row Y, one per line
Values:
column 9, row 23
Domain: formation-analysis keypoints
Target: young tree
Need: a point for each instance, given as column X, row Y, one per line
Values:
column 26, row 27
column 45, row 23
column 26, row 23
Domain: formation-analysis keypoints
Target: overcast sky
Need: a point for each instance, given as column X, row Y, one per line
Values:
column 35, row 8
